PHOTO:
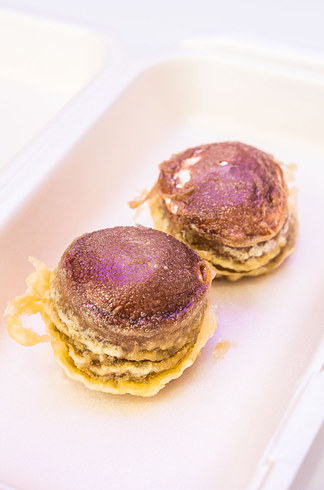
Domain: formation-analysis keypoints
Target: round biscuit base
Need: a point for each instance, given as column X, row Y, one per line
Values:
column 144, row 388
column 260, row 266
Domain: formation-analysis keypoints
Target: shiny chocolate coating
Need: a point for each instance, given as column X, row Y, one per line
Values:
column 230, row 191
column 132, row 277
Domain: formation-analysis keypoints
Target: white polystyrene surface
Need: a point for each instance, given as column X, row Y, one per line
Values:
column 209, row 428
column 43, row 64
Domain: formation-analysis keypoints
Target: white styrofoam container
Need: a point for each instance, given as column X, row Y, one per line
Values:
column 245, row 421
column 43, row 64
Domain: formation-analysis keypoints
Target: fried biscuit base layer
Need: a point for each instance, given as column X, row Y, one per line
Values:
column 147, row 386
column 233, row 263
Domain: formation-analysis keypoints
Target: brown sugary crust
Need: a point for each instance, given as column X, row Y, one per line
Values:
column 231, row 192
column 131, row 285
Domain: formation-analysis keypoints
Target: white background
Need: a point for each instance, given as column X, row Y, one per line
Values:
column 145, row 26
column 150, row 25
